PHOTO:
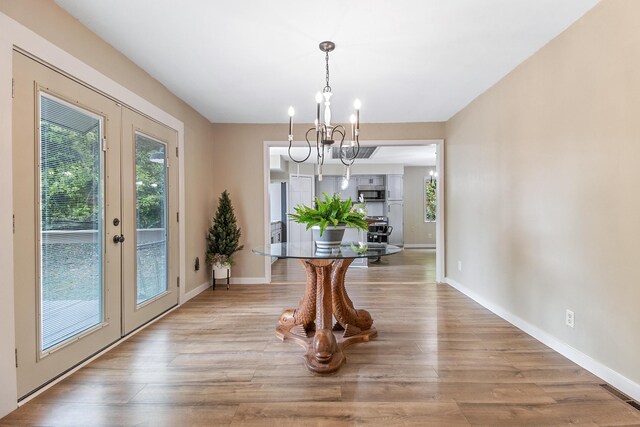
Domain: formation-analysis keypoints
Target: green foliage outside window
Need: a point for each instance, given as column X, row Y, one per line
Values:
column 71, row 178
column 430, row 199
column 150, row 192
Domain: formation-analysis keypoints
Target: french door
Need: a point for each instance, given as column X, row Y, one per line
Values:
column 94, row 245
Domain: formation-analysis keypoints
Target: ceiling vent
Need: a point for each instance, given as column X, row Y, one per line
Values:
column 364, row 153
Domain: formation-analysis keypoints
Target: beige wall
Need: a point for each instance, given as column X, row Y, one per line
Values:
column 54, row 24
column 542, row 199
column 242, row 172
column 416, row 231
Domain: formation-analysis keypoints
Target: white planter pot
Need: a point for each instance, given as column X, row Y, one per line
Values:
column 221, row 271
column 331, row 238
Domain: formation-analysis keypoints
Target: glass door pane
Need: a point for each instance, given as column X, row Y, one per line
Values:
column 71, row 212
column 151, row 218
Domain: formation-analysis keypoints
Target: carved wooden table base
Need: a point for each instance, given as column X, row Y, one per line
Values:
column 311, row 324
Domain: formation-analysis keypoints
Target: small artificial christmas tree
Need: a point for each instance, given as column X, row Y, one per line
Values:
column 224, row 234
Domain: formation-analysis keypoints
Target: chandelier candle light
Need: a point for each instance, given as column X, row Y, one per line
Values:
column 326, row 133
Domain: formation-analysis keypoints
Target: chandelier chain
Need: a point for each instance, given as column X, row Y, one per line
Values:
column 327, row 88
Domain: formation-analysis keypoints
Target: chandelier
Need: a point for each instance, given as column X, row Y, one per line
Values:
column 328, row 134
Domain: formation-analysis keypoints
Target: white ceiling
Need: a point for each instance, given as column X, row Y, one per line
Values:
column 246, row 61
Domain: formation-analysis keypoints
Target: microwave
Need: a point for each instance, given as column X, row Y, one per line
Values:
column 371, row 193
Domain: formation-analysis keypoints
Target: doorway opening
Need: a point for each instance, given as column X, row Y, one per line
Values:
column 400, row 168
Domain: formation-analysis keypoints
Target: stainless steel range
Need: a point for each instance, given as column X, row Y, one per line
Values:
column 379, row 229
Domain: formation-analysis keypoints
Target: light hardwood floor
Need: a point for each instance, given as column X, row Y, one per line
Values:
column 439, row 359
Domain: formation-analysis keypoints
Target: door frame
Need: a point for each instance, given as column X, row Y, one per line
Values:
column 440, row 195
column 14, row 34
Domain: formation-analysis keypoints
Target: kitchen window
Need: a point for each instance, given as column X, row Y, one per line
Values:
column 430, row 190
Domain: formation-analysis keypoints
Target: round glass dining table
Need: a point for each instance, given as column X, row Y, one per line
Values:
column 311, row 324
column 307, row 250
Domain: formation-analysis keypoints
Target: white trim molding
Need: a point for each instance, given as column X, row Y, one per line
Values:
column 612, row 377
column 249, row 280
column 440, row 226
column 9, row 390
column 196, row 291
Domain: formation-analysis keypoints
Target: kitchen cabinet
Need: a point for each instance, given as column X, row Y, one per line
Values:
column 333, row 184
column 370, row 180
column 394, row 187
column 327, row 185
column 350, row 191
column 353, row 235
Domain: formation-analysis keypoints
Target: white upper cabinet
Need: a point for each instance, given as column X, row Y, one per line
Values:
column 327, row 185
column 333, row 184
column 350, row 191
column 370, row 180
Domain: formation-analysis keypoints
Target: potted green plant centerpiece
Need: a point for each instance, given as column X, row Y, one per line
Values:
column 329, row 219
column 222, row 239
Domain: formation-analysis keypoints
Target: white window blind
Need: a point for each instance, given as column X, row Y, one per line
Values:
column 71, row 204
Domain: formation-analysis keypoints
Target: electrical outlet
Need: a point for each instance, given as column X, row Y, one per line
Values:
column 570, row 318
column 459, row 265
column 430, row 235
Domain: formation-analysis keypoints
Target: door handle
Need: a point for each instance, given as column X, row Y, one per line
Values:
column 118, row 239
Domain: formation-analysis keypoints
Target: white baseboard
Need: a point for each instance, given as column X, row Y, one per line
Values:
column 223, row 282
column 614, row 378
column 419, row 246
column 194, row 292
column 248, row 280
